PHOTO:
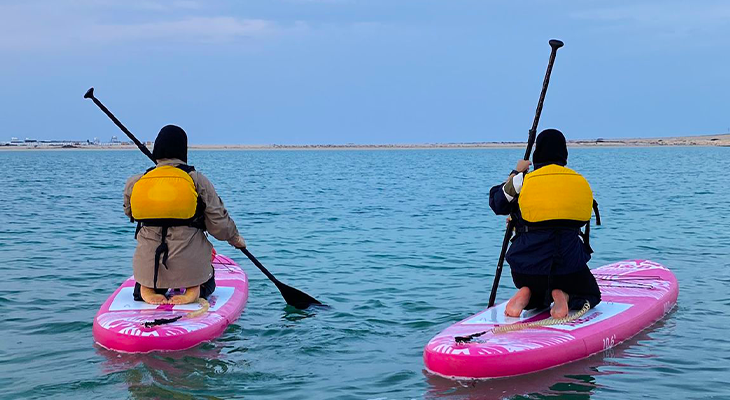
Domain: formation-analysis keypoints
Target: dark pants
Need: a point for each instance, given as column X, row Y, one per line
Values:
column 580, row 286
column 206, row 289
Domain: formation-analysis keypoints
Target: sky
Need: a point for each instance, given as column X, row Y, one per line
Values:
column 363, row 71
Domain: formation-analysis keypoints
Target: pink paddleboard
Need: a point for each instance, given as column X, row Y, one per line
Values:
column 120, row 323
column 635, row 294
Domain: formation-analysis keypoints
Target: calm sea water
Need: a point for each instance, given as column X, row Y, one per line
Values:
column 401, row 244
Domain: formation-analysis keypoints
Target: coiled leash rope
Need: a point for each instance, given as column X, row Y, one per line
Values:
column 526, row 325
column 204, row 307
column 544, row 322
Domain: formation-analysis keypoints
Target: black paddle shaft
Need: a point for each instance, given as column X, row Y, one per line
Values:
column 292, row 296
column 90, row 95
column 555, row 45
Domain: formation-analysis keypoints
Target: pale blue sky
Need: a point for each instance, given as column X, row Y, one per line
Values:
column 363, row 71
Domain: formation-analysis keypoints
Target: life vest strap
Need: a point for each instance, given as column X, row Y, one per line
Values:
column 162, row 250
column 587, row 238
column 183, row 167
column 163, row 222
column 527, row 228
column 595, row 211
column 587, row 234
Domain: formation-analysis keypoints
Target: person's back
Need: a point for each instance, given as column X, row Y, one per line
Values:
column 549, row 254
column 174, row 205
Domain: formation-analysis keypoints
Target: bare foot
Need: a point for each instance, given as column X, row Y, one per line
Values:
column 190, row 296
column 560, row 308
column 518, row 302
column 150, row 297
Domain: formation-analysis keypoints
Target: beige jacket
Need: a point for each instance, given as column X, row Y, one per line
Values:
column 188, row 262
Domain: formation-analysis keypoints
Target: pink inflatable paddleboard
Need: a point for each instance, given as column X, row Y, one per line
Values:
column 635, row 294
column 120, row 323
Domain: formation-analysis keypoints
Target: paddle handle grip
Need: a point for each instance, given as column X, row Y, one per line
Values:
column 90, row 95
column 554, row 45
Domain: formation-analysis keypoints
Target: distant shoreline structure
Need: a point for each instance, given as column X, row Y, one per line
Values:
column 722, row 140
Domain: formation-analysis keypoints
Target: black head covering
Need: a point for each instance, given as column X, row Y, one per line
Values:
column 550, row 148
column 171, row 142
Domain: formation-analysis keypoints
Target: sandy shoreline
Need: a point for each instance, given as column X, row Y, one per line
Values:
column 703, row 140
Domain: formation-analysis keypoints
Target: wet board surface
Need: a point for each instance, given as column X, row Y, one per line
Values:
column 119, row 324
column 635, row 294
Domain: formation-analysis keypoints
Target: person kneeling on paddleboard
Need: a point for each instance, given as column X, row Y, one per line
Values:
column 549, row 254
column 173, row 205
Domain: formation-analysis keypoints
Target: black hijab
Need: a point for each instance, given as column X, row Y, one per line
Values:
column 171, row 142
column 550, row 148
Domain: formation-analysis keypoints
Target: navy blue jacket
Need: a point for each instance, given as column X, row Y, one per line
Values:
column 535, row 252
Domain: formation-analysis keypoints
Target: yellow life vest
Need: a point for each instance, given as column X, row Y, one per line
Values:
column 555, row 193
column 164, row 193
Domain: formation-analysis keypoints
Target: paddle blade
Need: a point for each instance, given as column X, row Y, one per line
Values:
column 296, row 298
column 89, row 93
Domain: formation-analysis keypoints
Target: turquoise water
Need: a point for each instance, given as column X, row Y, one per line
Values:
column 400, row 243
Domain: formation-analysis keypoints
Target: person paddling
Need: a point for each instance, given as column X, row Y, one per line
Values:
column 174, row 205
column 549, row 254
